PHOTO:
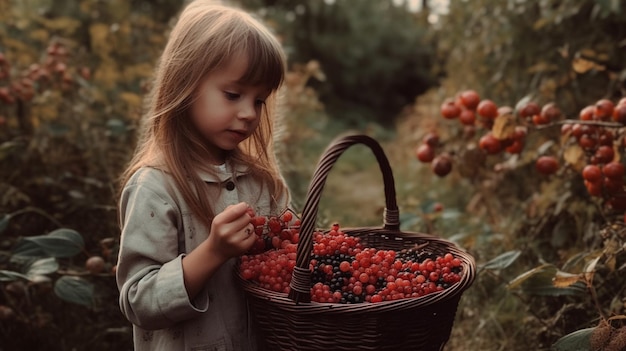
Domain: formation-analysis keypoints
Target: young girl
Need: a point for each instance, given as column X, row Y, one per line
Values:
column 203, row 167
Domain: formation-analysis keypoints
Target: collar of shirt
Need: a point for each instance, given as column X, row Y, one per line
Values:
column 222, row 174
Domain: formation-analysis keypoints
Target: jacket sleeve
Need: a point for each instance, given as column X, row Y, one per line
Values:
column 149, row 268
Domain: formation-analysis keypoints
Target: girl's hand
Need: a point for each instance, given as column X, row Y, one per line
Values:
column 232, row 233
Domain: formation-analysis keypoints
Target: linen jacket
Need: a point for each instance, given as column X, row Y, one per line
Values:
column 158, row 229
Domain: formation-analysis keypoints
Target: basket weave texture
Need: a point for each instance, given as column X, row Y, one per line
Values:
column 292, row 322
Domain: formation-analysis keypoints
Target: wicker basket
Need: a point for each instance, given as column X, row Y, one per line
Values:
column 292, row 322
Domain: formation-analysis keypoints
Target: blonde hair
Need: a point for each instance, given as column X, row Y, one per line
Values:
column 206, row 37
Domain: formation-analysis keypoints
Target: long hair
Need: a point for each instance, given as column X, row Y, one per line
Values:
column 206, row 37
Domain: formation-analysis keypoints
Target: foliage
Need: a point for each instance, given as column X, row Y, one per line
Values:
column 71, row 79
column 569, row 271
column 501, row 47
column 72, row 76
column 374, row 64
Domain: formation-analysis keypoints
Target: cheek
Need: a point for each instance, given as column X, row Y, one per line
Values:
column 196, row 112
column 204, row 108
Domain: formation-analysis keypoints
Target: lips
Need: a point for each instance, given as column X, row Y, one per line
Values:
column 239, row 135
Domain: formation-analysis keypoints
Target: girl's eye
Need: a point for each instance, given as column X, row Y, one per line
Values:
column 231, row 96
column 260, row 102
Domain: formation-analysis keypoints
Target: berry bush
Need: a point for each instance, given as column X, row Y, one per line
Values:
column 573, row 227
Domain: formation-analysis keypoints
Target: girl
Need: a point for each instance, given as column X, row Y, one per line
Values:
column 203, row 166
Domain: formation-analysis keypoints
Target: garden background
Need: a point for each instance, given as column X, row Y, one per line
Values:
column 550, row 255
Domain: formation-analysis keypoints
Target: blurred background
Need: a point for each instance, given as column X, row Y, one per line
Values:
column 73, row 75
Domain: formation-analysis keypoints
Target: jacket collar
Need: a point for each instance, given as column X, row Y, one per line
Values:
column 222, row 174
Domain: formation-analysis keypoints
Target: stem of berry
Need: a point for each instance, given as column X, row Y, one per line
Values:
column 578, row 121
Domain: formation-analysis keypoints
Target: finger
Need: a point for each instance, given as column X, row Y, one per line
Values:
column 249, row 239
column 233, row 212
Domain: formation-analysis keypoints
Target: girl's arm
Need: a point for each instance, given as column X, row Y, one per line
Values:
column 230, row 236
column 149, row 268
column 158, row 285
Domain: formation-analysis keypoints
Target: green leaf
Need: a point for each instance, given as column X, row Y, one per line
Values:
column 25, row 248
column 75, row 290
column 7, row 148
column 42, row 267
column 116, row 127
column 540, row 281
column 8, row 276
column 502, row 261
column 4, row 222
column 578, row 340
column 59, row 243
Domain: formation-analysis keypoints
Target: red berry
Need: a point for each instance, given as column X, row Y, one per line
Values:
column 467, row 117
column 619, row 113
column 442, row 165
column 603, row 109
column 487, row 109
column 276, row 242
column 490, row 144
column 431, row 139
column 547, row 165
column 605, row 154
column 274, row 225
column 587, row 142
column 540, row 119
column 437, row 207
column 586, row 114
column 594, row 189
column 613, row 170
column 606, row 137
column 287, row 217
column 516, row 147
column 470, row 99
column 425, row 153
column 529, row 110
column 579, row 130
column 550, row 112
column 566, row 129
column 344, row 266
column 592, row 173
column 450, row 110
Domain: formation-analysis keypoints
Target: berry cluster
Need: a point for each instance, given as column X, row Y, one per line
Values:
column 54, row 69
column 274, row 231
column 603, row 172
column 591, row 143
column 501, row 135
column 344, row 271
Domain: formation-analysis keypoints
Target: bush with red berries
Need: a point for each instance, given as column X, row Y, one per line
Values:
column 497, row 147
column 590, row 144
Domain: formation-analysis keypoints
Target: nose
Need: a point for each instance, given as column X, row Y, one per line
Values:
column 248, row 111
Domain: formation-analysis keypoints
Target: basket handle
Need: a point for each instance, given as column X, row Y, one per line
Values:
column 300, row 289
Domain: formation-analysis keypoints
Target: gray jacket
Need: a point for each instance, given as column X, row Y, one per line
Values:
column 157, row 230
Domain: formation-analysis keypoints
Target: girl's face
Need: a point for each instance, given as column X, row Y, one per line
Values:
column 226, row 111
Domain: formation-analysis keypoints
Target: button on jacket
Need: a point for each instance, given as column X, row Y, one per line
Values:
column 157, row 230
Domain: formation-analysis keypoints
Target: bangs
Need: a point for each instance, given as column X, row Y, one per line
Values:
column 266, row 64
